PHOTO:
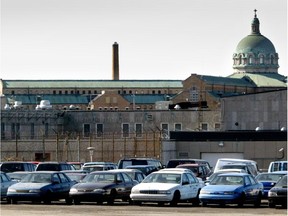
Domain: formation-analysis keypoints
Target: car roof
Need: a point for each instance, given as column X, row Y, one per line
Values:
column 191, row 165
column 126, row 170
column 174, row 170
column 229, row 170
column 234, row 174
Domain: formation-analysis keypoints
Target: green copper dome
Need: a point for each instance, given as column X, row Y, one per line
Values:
column 255, row 43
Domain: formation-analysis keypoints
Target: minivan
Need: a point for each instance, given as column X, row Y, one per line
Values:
column 54, row 166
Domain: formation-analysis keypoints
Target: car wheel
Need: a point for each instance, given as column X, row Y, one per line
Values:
column 175, row 199
column 136, row 202
column 257, row 204
column 271, row 205
column 76, row 201
column 111, row 197
column 69, row 201
column 241, row 200
column 196, row 200
column 12, row 201
column 204, row 204
column 47, row 201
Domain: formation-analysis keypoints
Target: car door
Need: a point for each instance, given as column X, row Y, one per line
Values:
column 250, row 190
column 127, row 185
column 195, row 185
column 65, row 184
column 56, row 186
column 5, row 183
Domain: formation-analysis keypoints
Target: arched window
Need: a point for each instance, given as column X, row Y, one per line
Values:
column 261, row 59
column 250, row 60
column 272, row 60
column 240, row 59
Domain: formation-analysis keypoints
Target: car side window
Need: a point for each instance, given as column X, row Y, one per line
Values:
column 247, row 180
column 119, row 178
column 191, row 178
column 63, row 178
column 252, row 180
column 126, row 178
column 55, row 177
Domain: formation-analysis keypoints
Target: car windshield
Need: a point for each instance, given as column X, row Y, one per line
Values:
column 227, row 180
column 93, row 178
column 37, row 178
column 282, row 182
column 163, row 178
column 269, row 177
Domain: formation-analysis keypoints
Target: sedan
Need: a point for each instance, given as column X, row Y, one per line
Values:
column 278, row 194
column 269, row 180
column 103, row 186
column 232, row 188
column 6, row 182
column 168, row 186
column 40, row 186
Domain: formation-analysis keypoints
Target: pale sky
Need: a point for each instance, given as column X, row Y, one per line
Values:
column 158, row 39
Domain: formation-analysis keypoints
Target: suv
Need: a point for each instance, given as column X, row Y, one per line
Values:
column 200, row 170
column 54, row 166
column 15, row 166
column 175, row 162
column 123, row 163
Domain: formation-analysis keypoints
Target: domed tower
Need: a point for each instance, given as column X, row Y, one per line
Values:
column 255, row 53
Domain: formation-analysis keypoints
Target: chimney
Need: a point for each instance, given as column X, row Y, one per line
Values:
column 115, row 62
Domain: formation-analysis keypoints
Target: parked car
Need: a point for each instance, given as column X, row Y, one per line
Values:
column 17, row 176
column 14, row 166
column 199, row 170
column 124, row 162
column 76, row 175
column 225, row 161
column 146, row 169
column 277, row 166
column 100, row 163
column 278, row 194
column 167, row 186
column 77, row 165
column 269, row 180
column 103, row 186
column 40, row 186
column 232, row 188
column 6, row 182
column 248, row 167
column 215, row 174
column 99, row 167
column 172, row 163
column 54, row 166
column 135, row 174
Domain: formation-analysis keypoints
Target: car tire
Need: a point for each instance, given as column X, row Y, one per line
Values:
column 196, row 200
column 69, row 201
column 204, row 204
column 76, row 201
column 241, row 200
column 111, row 197
column 176, row 198
column 257, row 204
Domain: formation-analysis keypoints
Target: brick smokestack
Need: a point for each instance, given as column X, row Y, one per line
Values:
column 115, row 62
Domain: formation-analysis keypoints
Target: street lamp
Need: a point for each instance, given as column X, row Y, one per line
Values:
column 91, row 151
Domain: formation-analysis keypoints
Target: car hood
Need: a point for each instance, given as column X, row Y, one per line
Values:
column 221, row 187
column 29, row 185
column 92, row 185
column 155, row 186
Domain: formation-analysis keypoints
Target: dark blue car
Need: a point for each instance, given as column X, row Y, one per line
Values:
column 269, row 180
column 232, row 188
column 40, row 186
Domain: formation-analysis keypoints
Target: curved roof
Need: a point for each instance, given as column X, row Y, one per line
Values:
column 255, row 43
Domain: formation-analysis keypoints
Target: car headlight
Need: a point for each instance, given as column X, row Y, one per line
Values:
column 34, row 191
column 204, row 192
column 272, row 194
column 11, row 190
column 164, row 192
column 134, row 191
column 73, row 190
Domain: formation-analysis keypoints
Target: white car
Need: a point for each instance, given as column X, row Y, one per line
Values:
column 168, row 186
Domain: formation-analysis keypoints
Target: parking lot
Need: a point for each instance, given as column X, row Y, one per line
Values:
column 124, row 209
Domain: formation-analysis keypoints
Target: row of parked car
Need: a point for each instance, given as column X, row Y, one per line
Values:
column 169, row 185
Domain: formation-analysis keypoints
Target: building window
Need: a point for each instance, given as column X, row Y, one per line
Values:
column 124, row 92
column 159, row 92
column 95, row 91
column 240, row 59
column 194, row 94
column 77, row 92
column 66, row 92
column 89, row 92
column 153, row 92
column 272, row 60
column 2, row 130
column 72, row 92
column 261, row 59
column 99, row 130
column 32, row 131
column 54, row 92
column 204, row 126
column 139, row 130
column 86, row 130
column 83, row 92
column 178, row 127
column 13, row 92
column 250, row 60
column 165, row 130
column 125, row 130
column 217, row 126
